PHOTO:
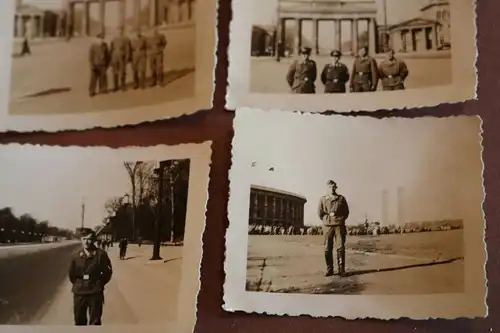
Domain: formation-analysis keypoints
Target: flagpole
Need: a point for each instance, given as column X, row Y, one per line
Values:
column 83, row 213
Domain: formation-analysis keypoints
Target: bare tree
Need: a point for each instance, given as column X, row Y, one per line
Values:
column 113, row 205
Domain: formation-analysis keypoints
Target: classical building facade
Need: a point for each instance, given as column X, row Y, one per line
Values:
column 335, row 11
column 28, row 21
column 157, row 13
column 270, row 206
column 429, row 31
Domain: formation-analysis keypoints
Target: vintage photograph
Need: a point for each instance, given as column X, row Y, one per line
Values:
column 325, row 47
column 356, row 209
column 137, row 58
column 99, row 233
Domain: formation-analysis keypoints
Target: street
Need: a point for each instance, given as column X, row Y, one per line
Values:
column 35, row 288
column 418, row 263
column 55, row 78
column 268, row 76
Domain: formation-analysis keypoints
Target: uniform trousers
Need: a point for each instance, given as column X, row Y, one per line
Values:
column 87, row 309
column 335, row 240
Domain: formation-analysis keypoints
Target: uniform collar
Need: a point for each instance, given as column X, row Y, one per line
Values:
column 84, row 253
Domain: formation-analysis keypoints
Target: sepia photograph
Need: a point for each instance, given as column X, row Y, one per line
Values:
column 351, row 217
column 103, row 237
column 329, row 49
column 108, row 62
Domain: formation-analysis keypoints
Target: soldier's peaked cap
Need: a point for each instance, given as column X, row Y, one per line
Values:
column 335, row 53
column 331, row 182
column 85, row 232
column 306, row 50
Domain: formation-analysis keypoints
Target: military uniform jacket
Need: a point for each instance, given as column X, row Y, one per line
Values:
column 139, row 48
column 392, row 73
column 301, row 76
column 336, row 205
column 98, row 54
column 364, row 70
column 157, row 45
column 121, row 49
column 334, row 77
column 89, row 274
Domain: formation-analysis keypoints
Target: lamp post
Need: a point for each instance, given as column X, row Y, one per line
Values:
column 160, row 172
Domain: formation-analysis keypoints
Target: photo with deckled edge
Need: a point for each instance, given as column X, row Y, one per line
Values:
column 69, row 64
column 83, row 207
column 432, row 76
column 396, row 258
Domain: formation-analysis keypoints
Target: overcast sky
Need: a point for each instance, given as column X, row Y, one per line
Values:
column 49, row 183
column 434, row 160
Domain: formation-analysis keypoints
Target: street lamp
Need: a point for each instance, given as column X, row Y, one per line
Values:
column 160, row 172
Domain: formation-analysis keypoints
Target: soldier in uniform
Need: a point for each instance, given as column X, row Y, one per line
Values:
column 89, row 272
column 139, row 60
column 335, row 75
column 392, row 72
column 98, row 59
column 333, row 210
column 156, row 55
column 364, row 76
column 302, row 74
column 120, row 56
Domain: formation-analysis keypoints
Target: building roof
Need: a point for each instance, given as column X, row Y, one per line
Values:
column 433, row 3
column 418, row 21
column 29, row 10
column 269, row 189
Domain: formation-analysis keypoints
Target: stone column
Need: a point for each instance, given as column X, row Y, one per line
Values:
column 338, row 35
column 355, row 35
column 137, row 14
column 296, row 40
column 315, row 45
column 102, row 16
column 41, row 27
column 372, row 30
column 435, row 36
column 264, row 216
column 153, row 13
column 121, row 14
column 274, row 209
column 86, row 19
column 255, row 204
column 21, row 27
column 69, row 19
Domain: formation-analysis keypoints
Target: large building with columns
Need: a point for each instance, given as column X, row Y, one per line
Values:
column 270, row 206
column 154, row 13
column 28, row 21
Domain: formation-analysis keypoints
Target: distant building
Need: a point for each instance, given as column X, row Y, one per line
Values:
column 429, row 31
column 32, row 22
column 270, row 206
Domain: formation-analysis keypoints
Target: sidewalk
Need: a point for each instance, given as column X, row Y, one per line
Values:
column 140, row 292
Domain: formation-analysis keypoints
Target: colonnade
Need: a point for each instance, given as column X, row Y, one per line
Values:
column 28, row 25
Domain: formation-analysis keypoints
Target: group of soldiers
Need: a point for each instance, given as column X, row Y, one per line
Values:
column 119, row 53
column 259, row 229
column 364, row 77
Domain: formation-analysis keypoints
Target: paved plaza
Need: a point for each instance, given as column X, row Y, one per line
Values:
column 55, row 78
column 419, row 263
column 269, row 76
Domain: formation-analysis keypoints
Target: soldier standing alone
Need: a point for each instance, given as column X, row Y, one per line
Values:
column 333, row 210
column 393, row 72
column 335, row 75
column 89, row 272
column 139, row 60
column 156, row 56
column 120, row 56
column 98, row 59
column 364, row 76
column 302, row 74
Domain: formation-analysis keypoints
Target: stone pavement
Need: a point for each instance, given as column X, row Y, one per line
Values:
column 269, row 76
column 296, row 265
column 140, row 291
column 55, row 78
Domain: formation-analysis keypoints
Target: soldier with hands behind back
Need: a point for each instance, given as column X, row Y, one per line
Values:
column 301, row 76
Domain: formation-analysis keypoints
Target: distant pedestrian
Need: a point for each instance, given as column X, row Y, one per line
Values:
column 139, row 241
column 301, row 76
column 393, row 72
column 364, row 74
column 333, row 210
column 139, row 60
column 123, row 248
column 335, row 75
column 25, row 50
column 156, row 54
column 98, row 59
column 89, row 272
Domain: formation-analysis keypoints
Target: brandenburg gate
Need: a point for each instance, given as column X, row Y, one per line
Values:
column 70, row 13
column 327, row 10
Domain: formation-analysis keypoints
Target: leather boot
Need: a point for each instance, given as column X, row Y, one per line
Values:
column 329, row 264
column 341, row 262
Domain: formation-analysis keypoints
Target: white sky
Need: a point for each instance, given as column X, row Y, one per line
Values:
column 397, row 11
column 435, row 160
column 49, row 183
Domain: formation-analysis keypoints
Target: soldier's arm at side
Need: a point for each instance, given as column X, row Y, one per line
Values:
column 321, row 212
column 107, row 269
column 353, row 73
column 323, row 74
column 374, row 68
column 291, row 73
column 345, row 208
column 314, row 74
column 404, row 71
column 72, row 271
column 346, row 74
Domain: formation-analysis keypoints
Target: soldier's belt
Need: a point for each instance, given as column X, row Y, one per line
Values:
column 392, row 76
column 363, row 73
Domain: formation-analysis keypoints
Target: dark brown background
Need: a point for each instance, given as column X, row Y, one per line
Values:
column 216, row 125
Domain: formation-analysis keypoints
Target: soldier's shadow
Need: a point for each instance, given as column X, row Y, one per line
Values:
column 168, row 77
column 47, row 92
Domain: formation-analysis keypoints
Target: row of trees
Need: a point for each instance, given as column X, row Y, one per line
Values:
column 27, row 229
column 135, row 214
